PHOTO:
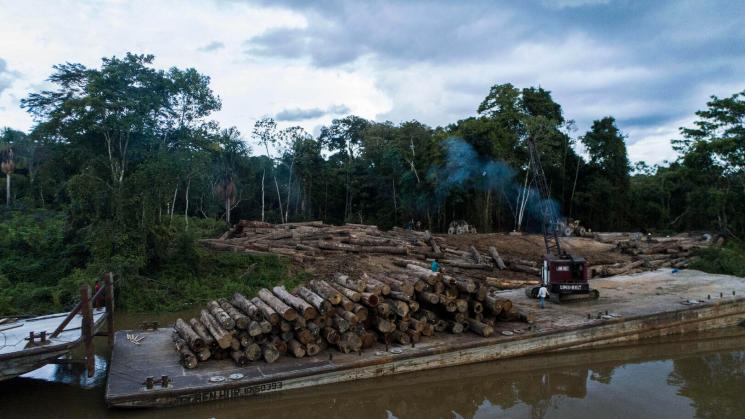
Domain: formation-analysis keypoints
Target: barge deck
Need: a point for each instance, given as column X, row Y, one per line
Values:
column 630, row 308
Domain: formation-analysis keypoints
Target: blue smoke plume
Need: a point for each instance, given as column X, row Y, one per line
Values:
column 465, row 169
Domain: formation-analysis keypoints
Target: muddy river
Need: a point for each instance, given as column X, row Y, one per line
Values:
column 700, row 375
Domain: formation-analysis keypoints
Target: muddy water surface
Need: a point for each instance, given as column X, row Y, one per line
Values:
column 699, row 375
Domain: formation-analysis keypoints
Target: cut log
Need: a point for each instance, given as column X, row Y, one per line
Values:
column 360, row 311
column 465, row 265
column 202, row 331
column 497, row 259
column 266, row 327
column 347, row 315
column 524, row 268
column 368, row 338
column 465, row 285
column 306, row 310
column 235, row 344
column 253, row 351
column 270, row 353
column 240, row 358
column 267, row 312
column 349, row 343
column 475, row 254
column 431, row 241
column 288, row 313
column 312, row 349
column 304, row 336
column 383, row 325
column 398, row 285
column 314, row 299
column 203, row 355
column 340, row 323
column 326, row 291
column 429, row 297
column 188, row 359
column 222, row 337
column 369, row 299
column 241, row 320
column 296, row 348
column 242, row 303
column 400, row 337
column 254, row 328
column 192, row 338
column 377, row 287
column 280, row 344
column 353, row 295
column 346, row 281
column 330, row 335
column 482, row 329
column 220, row 315
column 399, row 307
column 384, row 309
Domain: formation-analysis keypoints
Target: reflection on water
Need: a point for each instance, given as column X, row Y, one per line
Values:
column 692, row 376
column 72, row 371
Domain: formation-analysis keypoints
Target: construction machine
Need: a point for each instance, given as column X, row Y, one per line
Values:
column 564, row 275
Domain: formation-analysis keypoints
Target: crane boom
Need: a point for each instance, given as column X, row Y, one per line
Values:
column 549, row 222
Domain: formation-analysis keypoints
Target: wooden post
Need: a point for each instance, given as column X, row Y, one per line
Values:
column 86, row 328
column 108, row 282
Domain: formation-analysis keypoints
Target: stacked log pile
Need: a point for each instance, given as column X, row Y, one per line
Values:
column 650, row 254
column 313, row 242
column 343, row 313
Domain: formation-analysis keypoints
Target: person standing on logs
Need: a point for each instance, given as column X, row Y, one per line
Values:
column 542, row 294
column 435, row 266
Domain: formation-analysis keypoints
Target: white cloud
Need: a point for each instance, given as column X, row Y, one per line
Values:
column 395, row 61
column 35, row 37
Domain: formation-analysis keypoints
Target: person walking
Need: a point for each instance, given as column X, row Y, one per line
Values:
column 542, row 294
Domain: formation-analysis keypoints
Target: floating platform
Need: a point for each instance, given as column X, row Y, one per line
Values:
column 630, row 308
column 19, row 355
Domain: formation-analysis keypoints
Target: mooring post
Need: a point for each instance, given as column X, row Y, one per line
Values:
column 86, row 327
column 108, row 282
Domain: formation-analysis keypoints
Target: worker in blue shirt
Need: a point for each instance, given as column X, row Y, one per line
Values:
column 435, row 266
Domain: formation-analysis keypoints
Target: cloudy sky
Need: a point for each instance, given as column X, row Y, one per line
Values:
column 650, row 64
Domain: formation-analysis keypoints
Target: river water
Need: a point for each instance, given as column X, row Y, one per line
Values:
column 701, row 375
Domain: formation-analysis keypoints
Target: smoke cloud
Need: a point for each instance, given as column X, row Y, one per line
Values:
column 464, row 169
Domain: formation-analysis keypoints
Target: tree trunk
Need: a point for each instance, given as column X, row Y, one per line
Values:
column 279, row 200
column 173, row 203
column 186, row 203
column 263, row 173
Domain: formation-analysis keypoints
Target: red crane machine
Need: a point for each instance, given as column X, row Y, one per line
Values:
column 564, row 275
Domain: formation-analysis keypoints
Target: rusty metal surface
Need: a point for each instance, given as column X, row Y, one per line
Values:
column 645, row 305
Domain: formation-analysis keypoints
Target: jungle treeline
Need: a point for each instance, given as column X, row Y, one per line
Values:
column 125, row 168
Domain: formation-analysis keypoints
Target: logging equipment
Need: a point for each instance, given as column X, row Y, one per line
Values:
column 565, row 275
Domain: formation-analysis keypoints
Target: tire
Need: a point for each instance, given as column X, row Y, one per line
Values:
column 532, row 292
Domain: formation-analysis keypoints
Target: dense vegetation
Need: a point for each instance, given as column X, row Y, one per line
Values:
column 124, row 170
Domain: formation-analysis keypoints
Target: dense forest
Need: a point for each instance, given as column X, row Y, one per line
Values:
column 124, row 170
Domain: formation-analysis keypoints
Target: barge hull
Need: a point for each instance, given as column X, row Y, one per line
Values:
column 666, row 311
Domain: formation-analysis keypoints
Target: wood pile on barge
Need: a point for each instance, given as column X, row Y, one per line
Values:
column 342, row 313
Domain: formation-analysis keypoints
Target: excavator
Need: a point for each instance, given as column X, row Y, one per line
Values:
column 563, row 274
